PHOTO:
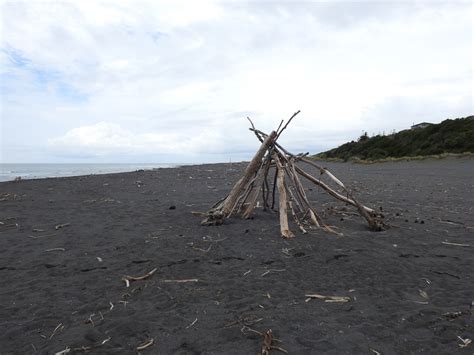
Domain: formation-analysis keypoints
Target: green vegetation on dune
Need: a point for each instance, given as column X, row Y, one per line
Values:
column 450, row 136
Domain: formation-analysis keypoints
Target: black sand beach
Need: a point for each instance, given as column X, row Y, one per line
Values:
column 66, row 243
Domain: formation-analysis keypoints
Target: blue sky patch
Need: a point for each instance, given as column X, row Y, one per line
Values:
column 16, row 58
column 42, row 78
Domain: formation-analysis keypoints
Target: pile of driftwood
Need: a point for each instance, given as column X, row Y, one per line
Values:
column 243, row 198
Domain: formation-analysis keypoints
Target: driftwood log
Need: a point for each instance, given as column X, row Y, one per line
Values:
column 292, row 196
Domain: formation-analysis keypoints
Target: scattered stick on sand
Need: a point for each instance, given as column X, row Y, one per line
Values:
column 335, row 299
column 59, row 226
column 190, row 325
column 58, row 328
column 268, row 341
column 145, row 344
column 83, row 348
column 181, row 281
column 268, row 346
column 90, row 320
column 465, row 342
column 55, row 249
column 456, row 244
column 272, row 270
column 128, row 278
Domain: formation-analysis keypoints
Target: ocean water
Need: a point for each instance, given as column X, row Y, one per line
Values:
column 37, row 171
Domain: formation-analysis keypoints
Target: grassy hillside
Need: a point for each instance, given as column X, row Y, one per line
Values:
column 449, row 136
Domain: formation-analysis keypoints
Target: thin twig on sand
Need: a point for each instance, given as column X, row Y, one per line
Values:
column 181, row 281
column 58, row 328
column 128, row 278
column 190, row 325
column 203, row 250
column 456, row 244
column 272, row 270
column 145, row 344
column 59, row 226
column 83, row 348
column 465, row 342
column 334, row 299
column 56, row 249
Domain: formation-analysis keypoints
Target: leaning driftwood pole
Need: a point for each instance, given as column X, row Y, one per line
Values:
column 225, row 209
column 330, row 191
column 283, row 199
column 254, row 165
column 249, row 205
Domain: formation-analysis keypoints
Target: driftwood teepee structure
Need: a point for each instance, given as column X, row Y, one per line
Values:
column 287, row 182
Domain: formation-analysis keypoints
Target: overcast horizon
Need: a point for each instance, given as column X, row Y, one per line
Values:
column 173, row 81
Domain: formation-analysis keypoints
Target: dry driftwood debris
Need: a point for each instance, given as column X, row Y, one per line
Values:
column 59, row 226
column 58, row 328
column 191, row 324
column 83, row 348
column 128, row 278
column 55, row 249
column 181, row 281
column 332, row 299
column 464, row 342
column 268, row 341
column 145, row 344
column 289, row 170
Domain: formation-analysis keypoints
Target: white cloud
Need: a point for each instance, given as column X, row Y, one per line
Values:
column 99, row 137
column 105, row 138
column 103, row 77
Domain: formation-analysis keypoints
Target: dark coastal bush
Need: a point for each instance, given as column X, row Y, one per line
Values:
column 449, row 136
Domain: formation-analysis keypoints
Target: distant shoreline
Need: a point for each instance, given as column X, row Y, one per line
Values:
column 8, row 172
column 8, row 175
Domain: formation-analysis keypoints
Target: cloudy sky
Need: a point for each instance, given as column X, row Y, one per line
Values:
column 170, row 81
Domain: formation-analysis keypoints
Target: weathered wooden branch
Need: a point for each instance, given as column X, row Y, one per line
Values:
column 266, row 190
column 252, row 199
column 330, row 191
column 274, row 188
column 282, row 199
column 279, row 132
column 295, row 216
column 371, row 220
column 217, row 216
column 315, row 219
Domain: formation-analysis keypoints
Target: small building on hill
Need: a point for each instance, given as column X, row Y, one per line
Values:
column 421, row 125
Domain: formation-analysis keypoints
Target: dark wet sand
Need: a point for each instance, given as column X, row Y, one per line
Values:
column 401, row 282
